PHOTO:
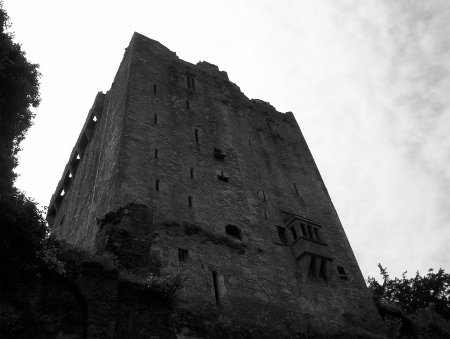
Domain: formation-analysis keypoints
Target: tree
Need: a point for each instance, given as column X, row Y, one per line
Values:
column 19, row 90
column 22, row 228
column 411, row 294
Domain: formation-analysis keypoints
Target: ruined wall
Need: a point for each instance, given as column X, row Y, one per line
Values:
column 185, row 141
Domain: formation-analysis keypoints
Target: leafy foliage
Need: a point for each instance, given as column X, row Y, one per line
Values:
column 166, row 284
column 25, row 243
column 414, row 293
column 22, row 228
column 23, row 231
column 50, row 252
column 19, row 89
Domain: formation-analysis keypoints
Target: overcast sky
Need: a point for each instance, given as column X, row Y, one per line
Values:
column 368, row 81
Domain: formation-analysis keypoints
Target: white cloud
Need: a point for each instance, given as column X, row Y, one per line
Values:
column 367, row 80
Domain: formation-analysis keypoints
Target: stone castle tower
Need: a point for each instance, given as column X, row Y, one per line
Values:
column 217, row 186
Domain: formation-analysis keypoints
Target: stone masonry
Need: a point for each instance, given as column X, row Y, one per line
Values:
column 232, row 197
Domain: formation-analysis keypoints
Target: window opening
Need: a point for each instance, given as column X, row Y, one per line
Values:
column 294, row 232
column 303, row 227
column 62, row 220
column 310, row 232
column 156, row 153
column 154, row 89
column 282, row 235
column 70, row 175
column 296, row 190
column 216, row 286
column 187, row 104
column 192, row 172
column 316, row 234
column 190, row 82
column 312, row 267
column 342, row 273
column 249, row 142
column 182, row 254
column 62, row 193
column 190, row 202
column 262, row 195
column 94, row 119
column 155, row 119
column 157, row 185
column 218, row 153
column 265, row 215
column 323, row 270
column 222, row 177
column 196, row 134
column 78, row 156
column 233, row 231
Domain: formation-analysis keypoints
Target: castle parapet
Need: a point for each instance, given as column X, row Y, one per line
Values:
column 75, row 157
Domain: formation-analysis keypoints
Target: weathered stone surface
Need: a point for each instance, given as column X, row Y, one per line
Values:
column 194, row 155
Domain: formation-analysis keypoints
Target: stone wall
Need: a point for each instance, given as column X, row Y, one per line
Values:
column 186, row 142
column 89, row 178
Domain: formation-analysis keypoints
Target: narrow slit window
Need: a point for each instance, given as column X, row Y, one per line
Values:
column 316, row 234
column 155, row 119
column 294, row 232
column 323, row 272
column 196, row 134
column 312, row 267
column 157, row 185
column 62, row 220
column 216, row 286
column 282, row 235
column 182, row 254
column 310, row 232
column 187, row 104
column 156, row 153
column 296, row 190
column 342, row 273
column 265, row 215
column 303, row 227
column 190, row 201
column 192, row 172
column 249, row 142
column 190, row 82
column 154, row 89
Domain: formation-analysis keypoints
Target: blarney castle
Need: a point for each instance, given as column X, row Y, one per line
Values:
column 177, row 171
